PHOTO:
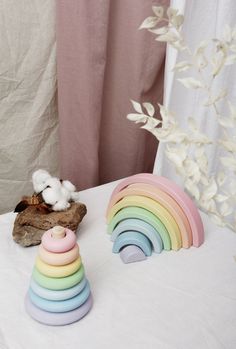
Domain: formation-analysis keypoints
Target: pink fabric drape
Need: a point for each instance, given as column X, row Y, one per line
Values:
column 103, row 61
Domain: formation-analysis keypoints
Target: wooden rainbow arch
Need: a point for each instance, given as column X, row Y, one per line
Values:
column 158, row 209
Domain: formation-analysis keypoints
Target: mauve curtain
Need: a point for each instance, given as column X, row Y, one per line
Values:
column 103, row 61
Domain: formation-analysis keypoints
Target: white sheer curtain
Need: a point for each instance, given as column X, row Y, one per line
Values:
column 203, row 20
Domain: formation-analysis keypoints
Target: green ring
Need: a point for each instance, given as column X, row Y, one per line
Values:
column 146, row 216
column 58, row 283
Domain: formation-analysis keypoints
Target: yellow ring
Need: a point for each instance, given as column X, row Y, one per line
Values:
column 57, row 271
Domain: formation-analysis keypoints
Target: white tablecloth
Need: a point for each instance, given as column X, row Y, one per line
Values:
column 184, row 299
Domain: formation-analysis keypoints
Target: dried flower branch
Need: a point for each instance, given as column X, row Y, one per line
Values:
column 187, row 148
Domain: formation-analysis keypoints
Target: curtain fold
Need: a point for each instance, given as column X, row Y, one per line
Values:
column 103, row 61
column 28, row 106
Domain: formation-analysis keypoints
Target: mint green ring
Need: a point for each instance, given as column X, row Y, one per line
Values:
column 146, row 216
column 58, row 283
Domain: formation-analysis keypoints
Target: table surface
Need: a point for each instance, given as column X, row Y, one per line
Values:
column 184, row 299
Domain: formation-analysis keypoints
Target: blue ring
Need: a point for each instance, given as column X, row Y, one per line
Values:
column 59, row 295
column 60, row 306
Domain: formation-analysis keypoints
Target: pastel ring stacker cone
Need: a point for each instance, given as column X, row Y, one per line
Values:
column 74, row 301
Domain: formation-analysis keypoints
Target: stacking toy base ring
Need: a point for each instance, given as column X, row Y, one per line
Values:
column 57, row 319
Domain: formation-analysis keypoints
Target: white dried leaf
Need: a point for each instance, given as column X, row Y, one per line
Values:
column 225, row 209
column 149, row 22
column 228, row 145
column 204, row 180
column 151, row 123
column 150, row 109
column 137, row 117
column 211, row 100
column 175, row 158
column 158, row 10
column 226, row 122
column 210, row 190
column 137, row 106
column 203, row 163
column 191, row 83
column 221, row 198
column 177, row 21
column 192, row 189
column 182, row 66
column 171, row 12
column 168, row 37
column 159, row 31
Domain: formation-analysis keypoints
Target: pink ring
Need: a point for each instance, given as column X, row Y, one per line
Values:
column 59, row 245
column 58, row 258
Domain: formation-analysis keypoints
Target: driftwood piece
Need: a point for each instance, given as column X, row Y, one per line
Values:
column 31, row 223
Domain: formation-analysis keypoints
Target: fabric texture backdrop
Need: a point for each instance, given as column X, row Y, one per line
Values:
column 28, row 112
column 103, row 62
column 203, row 20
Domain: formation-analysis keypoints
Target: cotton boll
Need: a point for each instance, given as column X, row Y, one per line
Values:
column 69, row 186
column 75, row 196
column 54, row 183
column 51, row 196
column 66, row 194
column 61, row 205
column 39, row 179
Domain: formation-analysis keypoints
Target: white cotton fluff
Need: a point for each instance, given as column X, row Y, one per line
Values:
column 75, row 196
column 68, row 185
column 54, row 192
column 56, row 195
column 39, row 179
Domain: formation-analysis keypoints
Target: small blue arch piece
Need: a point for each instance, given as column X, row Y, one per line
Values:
column 132, row 238
column 138, row 225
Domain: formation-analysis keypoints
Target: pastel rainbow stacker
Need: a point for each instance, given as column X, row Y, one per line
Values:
column 150, row 213
column 59, row 292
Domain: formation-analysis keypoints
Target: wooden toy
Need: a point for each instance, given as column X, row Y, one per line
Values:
column 156, row 208
column 59, row 292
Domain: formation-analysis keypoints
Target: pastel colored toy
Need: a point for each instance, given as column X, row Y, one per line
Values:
column 156, row 208
column 57, row 271
column 171, row 188
column 65, row 305
column 140, row 226
column 58, row 283
column 59, row 245
column 60, row 295
column 164, row 199
column 132, row 238
column 58, row 319
column 59, row 292
column 132, row 253
column 145, row 215
column 58, row 258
